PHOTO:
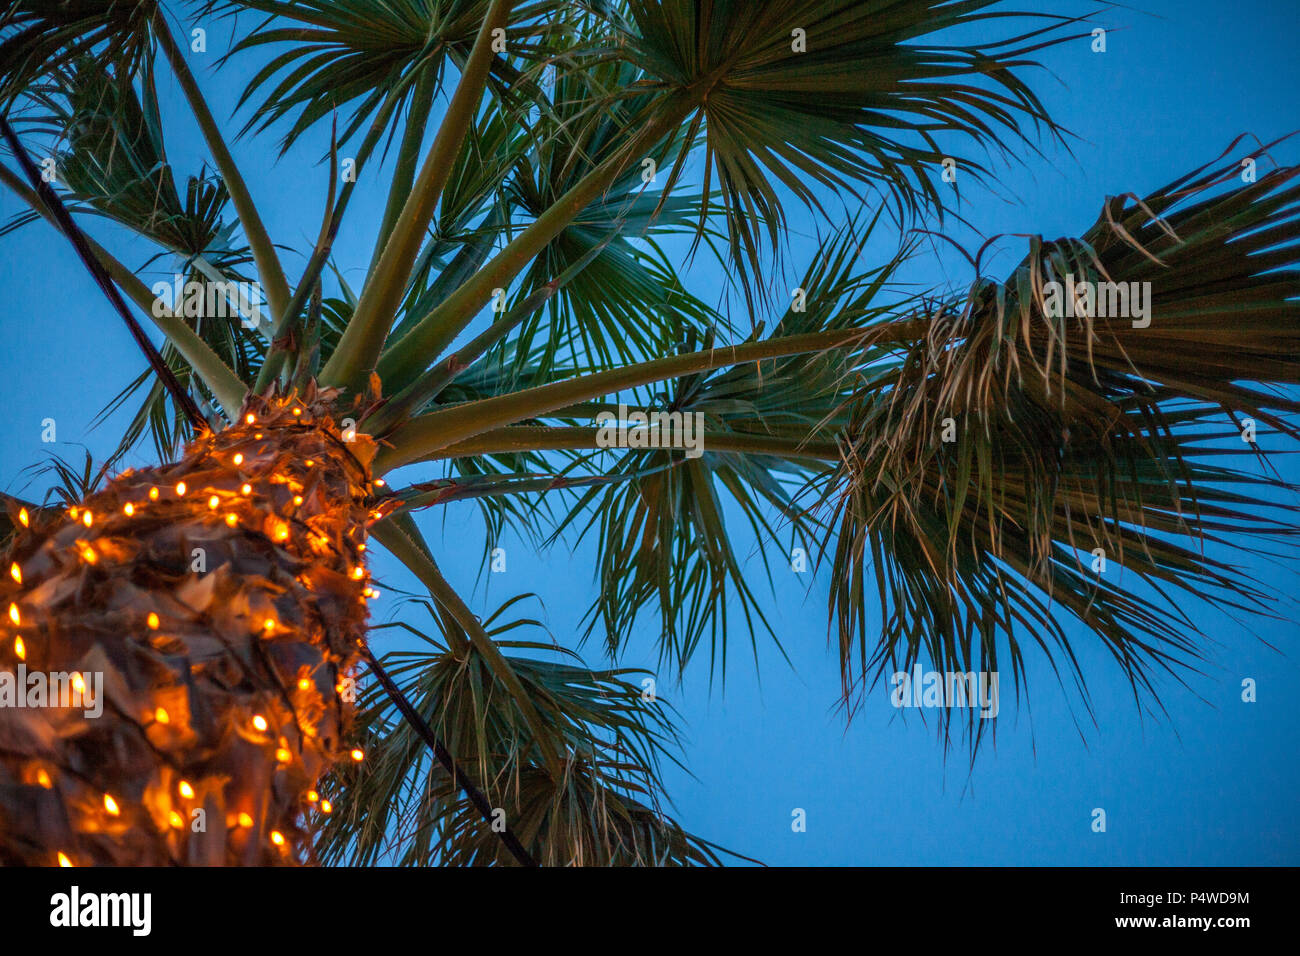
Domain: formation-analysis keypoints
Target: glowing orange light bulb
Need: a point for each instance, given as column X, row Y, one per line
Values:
column 245, row 820
column 162, row 716
column 22, row 516
column 259, row 722
column 43, row 778
column 175, row 819
column 283, row 756
column 78, row 684
column 185, row 790
column 239, row 458
column 281, row 532
column 13, row 613
column 20, row 649
column 304, row 683
column 65, row 860
column 128, row 509
column 232, row 520
column 111, row 805
column 16, row 572
column 250, row 418
column 312, row 796
column 358, row 573
column 277, row 838
column 153, row 494
column 245, row 489
column 358, row 754
column 297, row 411
column 88, row 555
column 152, row 621
column 326, row 807
column 297, row 499
column 309, row 462
column 180, row 489
column 86, row 518
column 214, row 502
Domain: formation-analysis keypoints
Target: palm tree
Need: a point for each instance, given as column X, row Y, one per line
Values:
column 956, row 459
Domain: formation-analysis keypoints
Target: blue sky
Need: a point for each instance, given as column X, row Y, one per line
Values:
column 1213, row 781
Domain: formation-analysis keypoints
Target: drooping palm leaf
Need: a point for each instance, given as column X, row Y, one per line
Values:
column 1076, row 438
column 1068, row 435
column 38, row 37
column 115, row 165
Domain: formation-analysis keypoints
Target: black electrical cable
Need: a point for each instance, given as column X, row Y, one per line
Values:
column 458, row 776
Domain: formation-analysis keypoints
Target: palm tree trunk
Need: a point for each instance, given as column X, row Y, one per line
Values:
column 213, row 610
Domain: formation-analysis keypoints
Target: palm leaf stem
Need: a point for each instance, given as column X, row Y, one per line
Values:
column 364, row 336
column 429, row 433
column 218, row 376
column 269, row 269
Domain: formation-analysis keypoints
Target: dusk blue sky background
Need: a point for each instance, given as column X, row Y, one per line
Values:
column 1214, row 781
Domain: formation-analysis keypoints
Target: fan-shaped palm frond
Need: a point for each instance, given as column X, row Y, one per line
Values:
column 796, row 94
column 116, row 163
column 363, row 51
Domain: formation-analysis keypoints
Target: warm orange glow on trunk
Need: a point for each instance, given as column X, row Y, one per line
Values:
column 211, row 641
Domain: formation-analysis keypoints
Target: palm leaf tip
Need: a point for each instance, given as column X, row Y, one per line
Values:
column 1018, row 460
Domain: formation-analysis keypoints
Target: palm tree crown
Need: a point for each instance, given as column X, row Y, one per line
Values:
column 953, row 460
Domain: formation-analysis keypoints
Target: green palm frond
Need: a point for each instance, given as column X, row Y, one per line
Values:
column 114, row 161
column 341, row 52
column 500, row 374
column 626, row 302
column 71, row 482
column 1073, row 439
column 604, row 811
column 982, row 471
column 871, row 98
column 663, row 539
column 114, row 164
column 38, row 37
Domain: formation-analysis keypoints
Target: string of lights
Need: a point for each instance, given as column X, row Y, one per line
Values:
column 232, row 507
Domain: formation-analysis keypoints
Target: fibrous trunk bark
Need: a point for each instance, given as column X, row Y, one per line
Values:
column 212, row 610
